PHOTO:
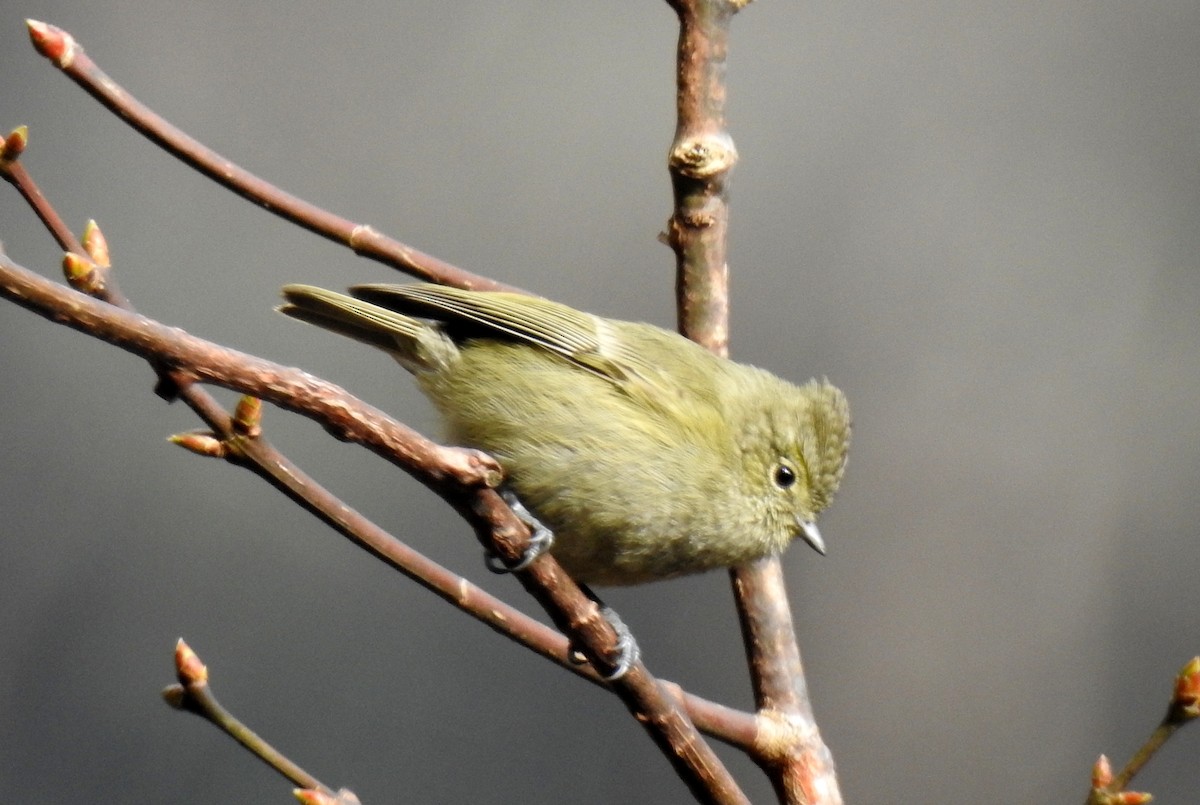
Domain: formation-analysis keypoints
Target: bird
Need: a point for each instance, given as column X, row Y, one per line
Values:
column 647, row 456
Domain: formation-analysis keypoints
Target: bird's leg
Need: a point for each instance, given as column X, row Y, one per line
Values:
column 628, row 650
column 540, row 538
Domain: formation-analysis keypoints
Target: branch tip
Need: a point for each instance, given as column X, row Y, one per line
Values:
column 1102, row 774
column 315, row 796
column 188, row 668
column 52, row 42
column 247, row 416
column 1185, row 698
column 1132, row 798
column 14, row 143
column 95, row 244
column 202, row 443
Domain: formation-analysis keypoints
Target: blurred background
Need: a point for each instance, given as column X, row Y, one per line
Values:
column 979, row 220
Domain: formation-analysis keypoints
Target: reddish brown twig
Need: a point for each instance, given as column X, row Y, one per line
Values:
column 461, row 477
column 702, row 155
column 794, row 756
column 700, row 160
column 67, row 54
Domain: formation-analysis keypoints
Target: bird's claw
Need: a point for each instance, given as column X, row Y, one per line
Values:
column 541, row 538
column 627, row 650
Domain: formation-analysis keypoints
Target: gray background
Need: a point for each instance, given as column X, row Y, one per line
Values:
column 978, row 219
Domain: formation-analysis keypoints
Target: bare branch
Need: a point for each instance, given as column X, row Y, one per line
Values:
column 797, row 760
column 701, row 159
column 67, row 54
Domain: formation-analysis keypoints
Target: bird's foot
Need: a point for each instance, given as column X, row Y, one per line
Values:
column 540, row 538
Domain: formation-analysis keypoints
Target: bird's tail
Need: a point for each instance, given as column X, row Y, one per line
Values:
column 418, row 345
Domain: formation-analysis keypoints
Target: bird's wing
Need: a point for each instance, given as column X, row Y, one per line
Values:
column 579, row 337
column 658, row 369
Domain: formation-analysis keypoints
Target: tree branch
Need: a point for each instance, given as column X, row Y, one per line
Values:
column 701, row 158
column 67, row 55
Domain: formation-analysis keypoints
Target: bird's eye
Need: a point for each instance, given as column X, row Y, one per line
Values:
column 785, row 476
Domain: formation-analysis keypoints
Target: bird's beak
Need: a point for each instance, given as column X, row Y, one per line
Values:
column 810, row 534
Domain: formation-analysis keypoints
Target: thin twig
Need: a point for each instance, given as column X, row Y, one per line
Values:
column 193, row 694
column 67, row 54
column 796, row 759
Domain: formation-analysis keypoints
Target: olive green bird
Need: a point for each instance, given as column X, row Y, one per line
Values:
column 648, row 456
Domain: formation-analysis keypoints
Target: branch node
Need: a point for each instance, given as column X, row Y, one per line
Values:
column 81, row 273
column 171, row 384
column 779, row 735
column 176, row 697
column 188, row 668
column 360, row 234
column 703, row 156
column 247, row 416
column 471, row 467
